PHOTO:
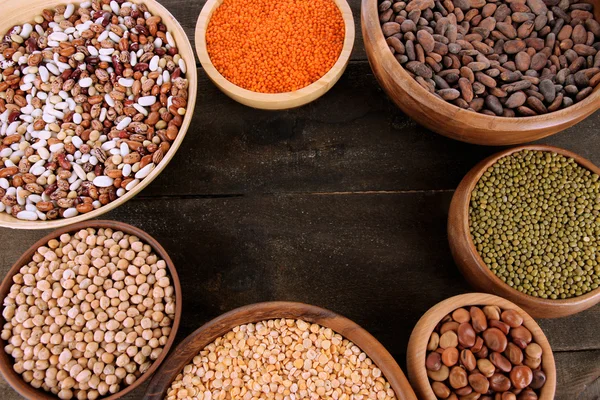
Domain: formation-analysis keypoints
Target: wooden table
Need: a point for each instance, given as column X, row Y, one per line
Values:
column 341, row 203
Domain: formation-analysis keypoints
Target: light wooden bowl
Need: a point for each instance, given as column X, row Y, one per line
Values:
column 448, row 119
column 274, row 101
column 6, row 361
column 18, row 12
column 472, row 265
column 199, row 339
column 417, row 344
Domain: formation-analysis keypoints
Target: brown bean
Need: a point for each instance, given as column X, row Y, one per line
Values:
column 467, row 359
column 479, row 383
column 499, row 383
column 450, row 356
column 440, row 390
column 521, row 376
column 495, row 339
column 512, row 318
column 433, row 361
column 500, row 362
column 514, row 354
column 458, row 378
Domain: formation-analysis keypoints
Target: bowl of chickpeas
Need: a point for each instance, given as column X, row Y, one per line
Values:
column 89, row 311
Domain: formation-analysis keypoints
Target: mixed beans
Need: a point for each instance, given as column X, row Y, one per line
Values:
column 91, row 98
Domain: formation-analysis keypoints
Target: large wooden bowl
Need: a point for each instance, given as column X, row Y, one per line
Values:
column 274, row 101
column 448, row 119
column 472, row 265
column 6, row 361
column 417, row 344
column 199, row 339
column 18, row 12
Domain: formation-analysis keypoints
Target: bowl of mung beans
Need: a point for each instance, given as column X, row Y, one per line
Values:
column 487, row 72
column 523, row 224
column 96, row 97
column 274, row 55
column 89, row 311
column 279, row 350
column 483, row 347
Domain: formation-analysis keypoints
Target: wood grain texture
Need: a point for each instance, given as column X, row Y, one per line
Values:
column 448, row 119
column 15, row 380
column 417, row 345
column 472, row 266
column 351, row 139
column 274, row 101
column 16, row 12
column 203, row 336
column 380, row 259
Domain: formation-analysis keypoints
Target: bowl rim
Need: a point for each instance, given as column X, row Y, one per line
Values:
column 466, row 253
column 274, row 101
column 417, row 344
column 15, row 380
column 373, row 34
column 252, row 313
column 186, row 52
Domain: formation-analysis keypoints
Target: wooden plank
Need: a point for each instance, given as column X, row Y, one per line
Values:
column 186, row 12
column 379, row 259
column 352, row 139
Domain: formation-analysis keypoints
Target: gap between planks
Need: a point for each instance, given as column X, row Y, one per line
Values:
column 270, row 194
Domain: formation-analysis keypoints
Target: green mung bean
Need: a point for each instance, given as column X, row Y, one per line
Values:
column 535, row 220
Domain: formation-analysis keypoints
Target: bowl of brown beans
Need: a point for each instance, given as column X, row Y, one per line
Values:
column 274, row 55
column 89, row 311
column 482, row 347
column 95, row 99
column 522, row 225
column 487, row 72
column 278, row 350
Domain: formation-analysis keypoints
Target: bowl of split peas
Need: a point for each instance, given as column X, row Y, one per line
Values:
column 88, row 311
column 274, row 55
column 276, row 349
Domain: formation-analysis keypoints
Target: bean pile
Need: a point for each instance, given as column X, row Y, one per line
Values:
column 281, row 359
column 91, row 98
column 534, row 220
column 486, row 354
column 496, row 57
column 88, row 314
column 275, row 46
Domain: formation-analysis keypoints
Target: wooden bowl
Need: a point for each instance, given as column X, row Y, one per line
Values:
column 448, row 119
column 18, row 12
column 206, row 334
column 472, row 265
column 274, row 101
column 6, row 361
column 417, row 344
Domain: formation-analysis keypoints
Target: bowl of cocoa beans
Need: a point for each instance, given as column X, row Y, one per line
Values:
column 88, row 312
column 96, row 97
column 487, row 72
column 482, row 347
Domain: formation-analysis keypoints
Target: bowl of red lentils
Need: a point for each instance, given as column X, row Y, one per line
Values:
column 96, row 96
column 275, row 54
column 280, row 350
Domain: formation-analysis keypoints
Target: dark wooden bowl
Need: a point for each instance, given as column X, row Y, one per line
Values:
column 450, row 120
column 206, row 334
column 472, row 265
column 417, row 345
column 6, row 362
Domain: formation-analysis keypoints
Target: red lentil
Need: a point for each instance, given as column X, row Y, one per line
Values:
column 275, row 46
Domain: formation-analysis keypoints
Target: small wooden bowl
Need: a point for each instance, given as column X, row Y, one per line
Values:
column 6, row 361
column 206, row 334
column 18, row 12
column 274, row 101
column 473, row 267
column 450, row 120
column 417, row 344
